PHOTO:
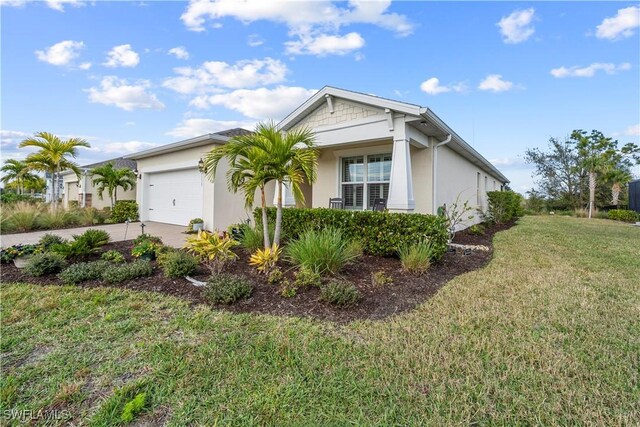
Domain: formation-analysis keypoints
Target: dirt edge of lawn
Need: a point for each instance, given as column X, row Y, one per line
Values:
column 377, row 301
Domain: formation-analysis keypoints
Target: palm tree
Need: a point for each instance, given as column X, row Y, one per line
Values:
column 109, row 178
column 16, row 171
column 53, row 156
column 267, row 155
column 618, row 178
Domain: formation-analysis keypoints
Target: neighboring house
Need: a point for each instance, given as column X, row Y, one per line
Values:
column 82, row 190
column 370, row 147
column 48, row 194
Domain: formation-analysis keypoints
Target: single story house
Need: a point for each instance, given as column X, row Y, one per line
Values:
column 370, row 148
column 81, row 189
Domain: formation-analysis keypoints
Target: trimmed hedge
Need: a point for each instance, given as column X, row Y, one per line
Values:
column 504, row 206
column 124, row 210
column 623, row 215
column 380, row 233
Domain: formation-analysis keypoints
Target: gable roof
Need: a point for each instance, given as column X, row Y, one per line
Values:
column 431, row 124
column 118, row 163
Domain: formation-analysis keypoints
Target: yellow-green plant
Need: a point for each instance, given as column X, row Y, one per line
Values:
column 214, row 249
column 265, row 259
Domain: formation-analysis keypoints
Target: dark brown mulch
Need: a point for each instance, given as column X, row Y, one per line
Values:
column 466, row 237
column 377, row 302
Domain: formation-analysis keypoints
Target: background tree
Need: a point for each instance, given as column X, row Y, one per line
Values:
column 53, row 156
column 107, row 177
column 16, row 174
column 619, row 178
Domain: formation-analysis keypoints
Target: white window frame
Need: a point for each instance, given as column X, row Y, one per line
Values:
column 365, row 175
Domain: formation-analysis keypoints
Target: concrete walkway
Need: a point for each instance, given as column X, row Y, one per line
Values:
column 172, row 235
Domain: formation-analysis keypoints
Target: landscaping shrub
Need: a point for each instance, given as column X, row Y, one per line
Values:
column 288, row 289
column 306, row 277
column 84, row 244
column 146, row 249
column 177, row 263
column 124, row 210
column 113, row 256
column 214, row 249
column 477, row 229
column 275, row 276
column 83, row 271
column 44, row 263
column 53, row 218
column 48, row 240
column 8, row 198
column 120, row 273
column 90, row 216
column 416, row 258
column 623, row 215
column 15, row 251
column 324, row 251
column 265, row 259
column 252, row 238
column 227, row 288
column 339, row 293
column 380, row 233
column 23, row 216
column 504, row 206
column 380, row 278
column 144, row 237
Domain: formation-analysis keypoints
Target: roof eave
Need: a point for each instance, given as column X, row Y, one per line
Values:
column 180, row 145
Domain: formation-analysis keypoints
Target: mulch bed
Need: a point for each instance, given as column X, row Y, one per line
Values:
column 377, row 302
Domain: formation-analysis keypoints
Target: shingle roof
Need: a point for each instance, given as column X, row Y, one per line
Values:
column 118, row 163
column 230, row 133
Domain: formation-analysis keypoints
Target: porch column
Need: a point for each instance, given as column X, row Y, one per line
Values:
column 288, row 201
column 401, row 181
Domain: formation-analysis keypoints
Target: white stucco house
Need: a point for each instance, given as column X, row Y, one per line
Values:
column 370, row 147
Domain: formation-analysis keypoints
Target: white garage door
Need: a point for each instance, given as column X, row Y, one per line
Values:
column 175, row 197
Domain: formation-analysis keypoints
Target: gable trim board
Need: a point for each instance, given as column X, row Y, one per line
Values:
column 429, row 164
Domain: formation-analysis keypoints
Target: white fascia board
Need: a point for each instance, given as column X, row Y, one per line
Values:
column 198, row 141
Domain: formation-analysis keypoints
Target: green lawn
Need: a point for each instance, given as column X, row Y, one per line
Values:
column 547, row 334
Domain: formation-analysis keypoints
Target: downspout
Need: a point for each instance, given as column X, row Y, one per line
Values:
column 434, row 170
column 84, row 189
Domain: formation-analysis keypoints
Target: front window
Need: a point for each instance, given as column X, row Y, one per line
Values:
column 364, row 179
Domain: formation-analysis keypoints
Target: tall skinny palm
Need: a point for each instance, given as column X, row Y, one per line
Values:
column 107, row 177
column 248, row 172
column 53, row 156
column 16, row 171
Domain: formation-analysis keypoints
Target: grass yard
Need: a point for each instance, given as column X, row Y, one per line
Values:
column 547, row 334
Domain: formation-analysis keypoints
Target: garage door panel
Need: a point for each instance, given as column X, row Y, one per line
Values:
column 175, row 197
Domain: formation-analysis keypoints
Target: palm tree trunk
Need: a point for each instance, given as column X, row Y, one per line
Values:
column 265, row 225
column 277, row 232
column 592, row 192
column 615, row 194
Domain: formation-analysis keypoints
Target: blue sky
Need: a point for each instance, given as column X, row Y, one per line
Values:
column 131, row 75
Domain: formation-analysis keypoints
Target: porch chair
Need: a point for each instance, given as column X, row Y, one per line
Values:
column 379, row 205
column 336, row 203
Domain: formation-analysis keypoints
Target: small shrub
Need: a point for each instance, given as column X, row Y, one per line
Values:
column 306, row 277
column 48, row 240
column 275, row 276
column 144, row 237
column 44, row 263
column 83, row 271
column 624, row 215
column 265, row 259
column 23, row 216
column 194, row 221
column 95, row 238
column 227, row 288
column 252, row 238
column 477, row 229
column 120, row 273
column 82, row 245
column 133, row 408
column 504, row 206
column 214, row 249
column 288, row 289
column 90, row 216
column 380, row 278
column 416, row 258
column 15, row 251
column 124, row 210
column 324, row 251
column 176, row 263
column 339, row 293
column 113, row 256
column 56, row 218
column 145, row 249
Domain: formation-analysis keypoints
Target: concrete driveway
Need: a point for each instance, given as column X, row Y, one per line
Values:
column 172, row 235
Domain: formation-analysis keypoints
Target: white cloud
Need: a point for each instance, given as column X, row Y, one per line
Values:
column 254, row 40
column 633, row 130
column 85, row 66
column 621, row 26
column 312, row 23
column 122, row 56
column 517, row 27
column 432, row 86
column 13, row 3
column 12, row 137
column 60, row 4
column 61, row 54
column 195, row 127
column 213, row 75
column 324, row 44
column 129, row 97
column 259, row 103
column 590, row 70
column 495, row 83
column 125, row 147
column 179, row 52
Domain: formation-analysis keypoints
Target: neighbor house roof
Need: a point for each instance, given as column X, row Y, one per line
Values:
column 430, row 124
column 209, row 138
column 118, row 163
